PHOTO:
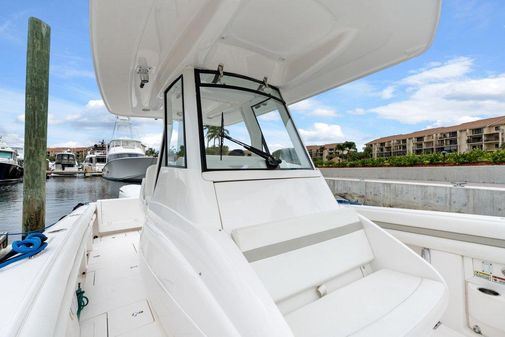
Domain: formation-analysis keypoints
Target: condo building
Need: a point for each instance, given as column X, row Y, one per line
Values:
column 326, row 152
column 485, row 134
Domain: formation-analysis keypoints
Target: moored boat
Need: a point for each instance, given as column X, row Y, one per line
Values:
column 126, row 161
column 94, row 163
column 10, row 169
column 65, row 164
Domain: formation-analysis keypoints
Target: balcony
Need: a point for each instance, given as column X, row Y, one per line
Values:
column 473, row 140
column 450, row 135
column 399, row 153
column 447, row 148
column 492, row 138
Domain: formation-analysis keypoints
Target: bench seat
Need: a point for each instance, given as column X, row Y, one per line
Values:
column 385, row 303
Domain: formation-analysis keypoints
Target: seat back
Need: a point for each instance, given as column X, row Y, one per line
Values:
column 119, row 215
column 302, row 253
column 149, row 182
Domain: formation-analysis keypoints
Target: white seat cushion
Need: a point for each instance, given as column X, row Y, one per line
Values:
column 297, row 254
column 299, row 269
column 385, row 303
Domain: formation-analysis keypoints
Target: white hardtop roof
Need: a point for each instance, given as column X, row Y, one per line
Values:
column 304, row 47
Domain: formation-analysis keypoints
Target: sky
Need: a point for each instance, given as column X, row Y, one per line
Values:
column 459, row 79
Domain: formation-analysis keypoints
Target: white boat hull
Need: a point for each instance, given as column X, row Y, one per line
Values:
column 66, row 172
column 128, row 169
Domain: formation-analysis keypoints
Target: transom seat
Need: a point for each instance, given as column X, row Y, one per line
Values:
column 321, row 271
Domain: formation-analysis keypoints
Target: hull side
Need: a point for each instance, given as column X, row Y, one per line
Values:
column 10, row 173
column 128, row 169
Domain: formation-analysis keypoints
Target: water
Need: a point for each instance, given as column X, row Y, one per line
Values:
column 62, row 194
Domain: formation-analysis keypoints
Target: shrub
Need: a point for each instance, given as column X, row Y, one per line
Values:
column 474, row 156
column 498, row 156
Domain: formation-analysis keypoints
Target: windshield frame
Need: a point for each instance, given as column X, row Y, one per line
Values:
column 267, row 96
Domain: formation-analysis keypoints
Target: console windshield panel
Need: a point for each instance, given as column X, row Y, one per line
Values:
column 245, row 125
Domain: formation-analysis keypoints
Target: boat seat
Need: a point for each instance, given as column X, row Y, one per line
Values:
column 149, row 182
column 385, row 303
column 297, row 258
column 301, row 253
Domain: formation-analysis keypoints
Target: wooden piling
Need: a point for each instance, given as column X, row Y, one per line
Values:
column 36, row 105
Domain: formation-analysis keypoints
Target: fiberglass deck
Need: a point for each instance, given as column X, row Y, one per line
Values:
column 118, row 304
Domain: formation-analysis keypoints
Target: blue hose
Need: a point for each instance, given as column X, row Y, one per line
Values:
column 33, row 244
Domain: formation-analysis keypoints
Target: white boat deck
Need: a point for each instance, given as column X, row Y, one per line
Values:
column 117, row 297
column 443, row 331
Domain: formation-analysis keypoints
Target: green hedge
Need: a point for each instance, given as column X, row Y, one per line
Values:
column 474, row 156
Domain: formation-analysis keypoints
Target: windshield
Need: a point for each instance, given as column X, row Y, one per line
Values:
column 6, row 155
column 123, row 155
column 130, row 144
column 65, row 157
column 245, row 125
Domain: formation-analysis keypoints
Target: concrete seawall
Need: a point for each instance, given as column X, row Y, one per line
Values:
column 477, row 197
column 487, row 174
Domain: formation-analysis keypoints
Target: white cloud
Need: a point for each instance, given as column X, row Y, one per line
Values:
column 9, row 28
column 67, row 71
column 313, row 107
column 69, row 144
column 304, row 105
column 445, row 95
column 95, row 104
column 322, row 133
column 357, row 111
column 270, row 117
column 12, row 139
column 451, row 69
column 459, row 120
column 388, row 92
column 154, row 139
column 324, row 112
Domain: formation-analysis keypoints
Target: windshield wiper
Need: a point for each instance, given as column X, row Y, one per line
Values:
column 270, row 160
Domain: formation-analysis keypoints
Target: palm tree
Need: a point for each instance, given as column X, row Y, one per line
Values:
column 214, row 133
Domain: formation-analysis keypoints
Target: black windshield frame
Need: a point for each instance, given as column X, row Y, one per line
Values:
column 267, row 96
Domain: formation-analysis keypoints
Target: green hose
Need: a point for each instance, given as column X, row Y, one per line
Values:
column 82, row 300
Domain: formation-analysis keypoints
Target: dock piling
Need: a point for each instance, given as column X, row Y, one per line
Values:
column 36, row 106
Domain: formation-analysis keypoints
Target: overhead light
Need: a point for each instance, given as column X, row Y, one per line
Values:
column 143, row 72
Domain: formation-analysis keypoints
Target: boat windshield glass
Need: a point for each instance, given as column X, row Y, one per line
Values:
column 125, row 143
column 65, row 157
column 6, row 155
column 123, row 155
column 246, row 125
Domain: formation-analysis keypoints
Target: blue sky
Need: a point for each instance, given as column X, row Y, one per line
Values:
column 460, row 78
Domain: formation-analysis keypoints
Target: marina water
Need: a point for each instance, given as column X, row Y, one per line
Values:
column 62, row 194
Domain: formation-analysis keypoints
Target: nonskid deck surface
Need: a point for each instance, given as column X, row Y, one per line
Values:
column 118, row 303
column 443, row 331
